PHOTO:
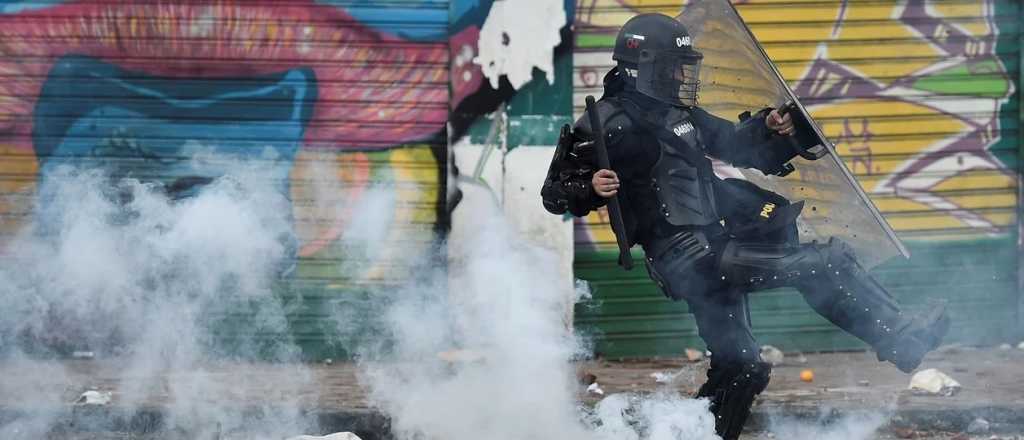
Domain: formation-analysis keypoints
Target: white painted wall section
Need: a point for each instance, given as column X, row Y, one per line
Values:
column 517, row 36
column 526, row 168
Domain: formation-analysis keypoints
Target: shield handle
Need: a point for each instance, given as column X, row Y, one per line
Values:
column 803, row 134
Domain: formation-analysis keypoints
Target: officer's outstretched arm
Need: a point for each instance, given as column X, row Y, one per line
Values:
column 568, row 187
column 748, row 144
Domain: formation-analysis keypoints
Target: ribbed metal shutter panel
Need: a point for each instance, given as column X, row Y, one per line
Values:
column 922, row 100
column 352, row 96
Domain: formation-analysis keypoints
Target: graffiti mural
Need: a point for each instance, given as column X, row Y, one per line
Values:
column 336, row 97
column 142, row 87
column 911, row 93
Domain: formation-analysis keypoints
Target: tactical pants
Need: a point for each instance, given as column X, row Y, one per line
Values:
column 714, row 273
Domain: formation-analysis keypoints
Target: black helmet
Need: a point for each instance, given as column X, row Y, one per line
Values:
column 656, row 51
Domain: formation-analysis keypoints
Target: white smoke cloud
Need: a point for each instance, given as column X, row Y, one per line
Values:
column 157, row 288
column 854, row 426
column 481, row 350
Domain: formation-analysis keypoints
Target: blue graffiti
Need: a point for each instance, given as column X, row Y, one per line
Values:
column 93, row 114
column 15, row 6
column 88, row 108
column 416, row 20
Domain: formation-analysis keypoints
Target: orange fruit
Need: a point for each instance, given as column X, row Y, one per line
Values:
column 807, row 376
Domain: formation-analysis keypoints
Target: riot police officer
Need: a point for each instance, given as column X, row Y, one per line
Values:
column 711, row 241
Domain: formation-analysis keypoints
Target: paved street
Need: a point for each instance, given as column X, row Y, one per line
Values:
column 845, row 386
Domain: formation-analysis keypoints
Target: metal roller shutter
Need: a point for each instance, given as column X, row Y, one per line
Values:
column 922, row 98
column 352, row 96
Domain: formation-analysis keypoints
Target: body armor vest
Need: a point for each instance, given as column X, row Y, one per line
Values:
column 683, row 178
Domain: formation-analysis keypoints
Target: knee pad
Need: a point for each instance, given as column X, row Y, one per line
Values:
column 768, row 265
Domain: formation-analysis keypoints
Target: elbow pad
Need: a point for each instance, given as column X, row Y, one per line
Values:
column 567, row 185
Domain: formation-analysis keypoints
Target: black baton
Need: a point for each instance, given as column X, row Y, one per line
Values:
column 614, row 211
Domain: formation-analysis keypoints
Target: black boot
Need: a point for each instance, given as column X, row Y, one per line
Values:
column 731, row 389
column 838, row 288
column 850, row 298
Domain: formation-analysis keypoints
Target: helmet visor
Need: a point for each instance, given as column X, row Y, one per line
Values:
column 670, row 76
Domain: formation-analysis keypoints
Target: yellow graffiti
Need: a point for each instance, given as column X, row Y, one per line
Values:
column 916, row 137
column 328, row 189
column 20, row 171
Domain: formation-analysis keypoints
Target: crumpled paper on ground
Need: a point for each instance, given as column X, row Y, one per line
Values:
column 932, row 381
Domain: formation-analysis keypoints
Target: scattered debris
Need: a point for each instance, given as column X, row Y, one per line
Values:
column 807, row 375
column 903, row 432
column 772, row 355
column 960, row 436
column 979, row 426
column 1005, row 347
column 950, row 348
column 933, row 381
column 335, row 436
column 800, row 358
column 864, row 383
column 694, row 355
column 585, row 378
column 594, row 388
column 93, row 397
column 664, row 376
column 83, row 355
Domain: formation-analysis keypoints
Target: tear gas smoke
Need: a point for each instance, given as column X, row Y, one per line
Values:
column 853, row 426
column 481, row 350
column 116, row 267
column 159, row 287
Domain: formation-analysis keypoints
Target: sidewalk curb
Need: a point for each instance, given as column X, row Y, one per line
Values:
column 367, row 424
column 372, row 425
column 1001, row 418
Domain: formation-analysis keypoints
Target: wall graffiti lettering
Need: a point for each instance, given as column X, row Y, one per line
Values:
column 911, row 93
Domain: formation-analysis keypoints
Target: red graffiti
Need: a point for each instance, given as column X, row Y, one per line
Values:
column 375, row 90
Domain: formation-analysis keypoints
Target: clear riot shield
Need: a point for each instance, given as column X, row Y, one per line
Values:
column 737, row 76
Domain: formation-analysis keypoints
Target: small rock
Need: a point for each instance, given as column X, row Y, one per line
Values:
column 694, row 355
column 864, row 383
column 664, row 376
column 661, row 376
column 329, row 361
column 594, row 388
column 335, row 436
column 902, row 432
column 933, row 381
column 83, row 355
column 93, row 397
column 978, row 426
column 586, row 378
column 772, row 355
column 1020, row 346
column 950, row 349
